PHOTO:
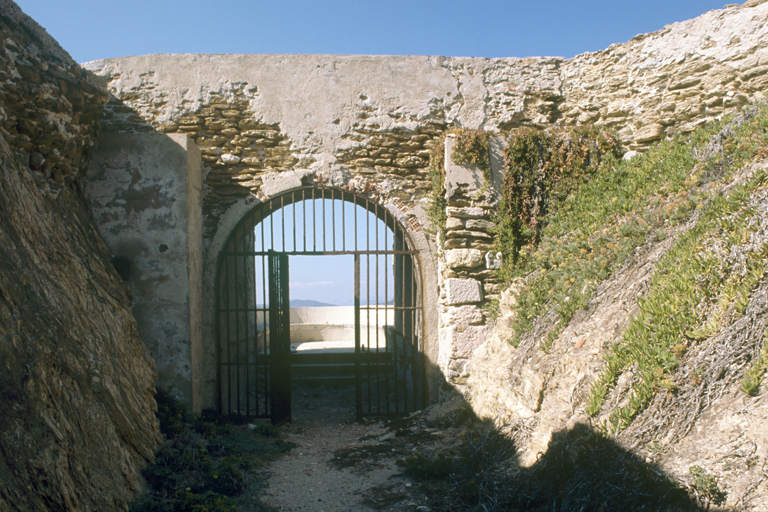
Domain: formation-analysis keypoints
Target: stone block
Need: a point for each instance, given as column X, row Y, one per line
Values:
column 467, row 212
column 463, row 291
column 464, row 179
column 452, row 243
column 453, row 223
column 467, row 258
column 275, row 183
column 229, row 158
column 465, row 315
column 480, row 225
column 649, row 133
column 465, row 339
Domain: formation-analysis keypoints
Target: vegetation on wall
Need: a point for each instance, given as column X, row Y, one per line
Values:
column 543, row 167
column 471, row 149
column 605, row 212
column 436, row 171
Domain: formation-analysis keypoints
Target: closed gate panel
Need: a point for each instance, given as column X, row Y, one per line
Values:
column 255, row 354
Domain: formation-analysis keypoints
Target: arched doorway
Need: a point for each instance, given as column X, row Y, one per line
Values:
column 372, row 338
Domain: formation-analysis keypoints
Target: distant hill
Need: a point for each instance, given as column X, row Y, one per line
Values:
column 304, row 303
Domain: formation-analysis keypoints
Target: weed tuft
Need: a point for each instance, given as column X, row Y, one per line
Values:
column 203, row 464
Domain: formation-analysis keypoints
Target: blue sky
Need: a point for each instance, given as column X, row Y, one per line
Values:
column 95, row 29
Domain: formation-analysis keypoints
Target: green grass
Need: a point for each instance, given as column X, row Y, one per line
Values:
column 753, row 377
column 621, row 207
column 696, row 291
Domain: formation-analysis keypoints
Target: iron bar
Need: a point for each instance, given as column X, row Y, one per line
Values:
column 246, row 293
column 358, row 376
column 293, row 205
column 390, row 360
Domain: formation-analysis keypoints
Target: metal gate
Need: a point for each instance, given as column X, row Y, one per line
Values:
column 256, row 359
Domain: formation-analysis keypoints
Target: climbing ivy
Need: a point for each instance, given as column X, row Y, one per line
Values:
column 543, row 167
column 436, row 171
column 471, row 149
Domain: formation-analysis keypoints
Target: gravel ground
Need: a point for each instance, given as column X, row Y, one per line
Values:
column 339, row 465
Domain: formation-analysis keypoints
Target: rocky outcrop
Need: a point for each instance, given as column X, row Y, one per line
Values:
column 76, row 382
column 700, row 419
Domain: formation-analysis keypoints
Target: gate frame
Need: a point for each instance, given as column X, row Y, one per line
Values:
column 427, row 267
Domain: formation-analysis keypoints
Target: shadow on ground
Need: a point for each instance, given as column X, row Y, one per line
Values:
column 471, row 466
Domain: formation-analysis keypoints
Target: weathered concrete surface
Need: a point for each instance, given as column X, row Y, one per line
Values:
column 144, row 191
column 76, row 383
column 329, row 105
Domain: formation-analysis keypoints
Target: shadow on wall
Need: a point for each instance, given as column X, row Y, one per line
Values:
column 582, row 470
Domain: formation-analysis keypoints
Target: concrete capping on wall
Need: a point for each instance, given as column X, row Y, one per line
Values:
column 425, row 262
column 145, row 191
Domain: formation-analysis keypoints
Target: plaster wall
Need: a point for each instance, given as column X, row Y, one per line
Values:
column 144, row 191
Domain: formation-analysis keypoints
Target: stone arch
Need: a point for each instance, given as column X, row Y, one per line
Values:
column 426, row 266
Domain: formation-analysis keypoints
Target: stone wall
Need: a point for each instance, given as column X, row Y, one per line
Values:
column 76, row 383
column 671, row 81
column 467, row 282
column 366, row 122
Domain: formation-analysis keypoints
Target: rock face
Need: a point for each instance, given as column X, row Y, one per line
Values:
column 704, row 420
column 76, row 382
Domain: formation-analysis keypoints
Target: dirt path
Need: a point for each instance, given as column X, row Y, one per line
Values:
column 339, row 465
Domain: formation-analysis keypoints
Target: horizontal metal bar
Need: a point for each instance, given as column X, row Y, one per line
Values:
column 316, row 253
column 389, row 307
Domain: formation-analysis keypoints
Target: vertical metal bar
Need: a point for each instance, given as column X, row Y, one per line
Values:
column 265, row 389
column 293, row 205
column 238, row 310
column 247, row 292
column 386, row 296
column 229, row 338
column 368, row 328
column 304, row 216
column 412, row 329
column 219, row 283
column 379, row 366
column 343, row 224
column 280, row 342
column 282, row 221
column 358, row 370
column 271, row 225
column 407, row 341
column 314, row 223
column 333, row 219
column 323, row 214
